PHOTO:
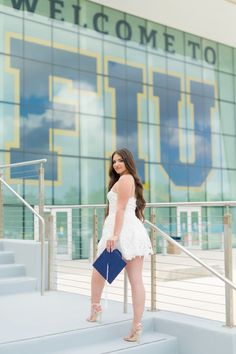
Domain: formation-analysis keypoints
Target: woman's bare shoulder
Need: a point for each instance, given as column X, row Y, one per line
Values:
column 126, row 184
column 127, row 178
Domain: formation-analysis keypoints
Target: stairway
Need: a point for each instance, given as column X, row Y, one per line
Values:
column 13, row 277
column 97, row 340
column 55, row 324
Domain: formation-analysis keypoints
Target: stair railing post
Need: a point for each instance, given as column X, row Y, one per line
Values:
column 153, row 263
column 51, row 253
column 41, row 196
column 95, row 233
column 125, row 300
column 41, row 230
column 228, row 258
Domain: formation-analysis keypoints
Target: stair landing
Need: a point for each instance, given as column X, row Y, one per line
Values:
column 55, row 323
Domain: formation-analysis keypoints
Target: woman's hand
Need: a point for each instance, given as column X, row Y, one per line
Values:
column 111, row 243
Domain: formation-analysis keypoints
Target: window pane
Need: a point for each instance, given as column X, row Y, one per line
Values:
column 159, row 184
column 110, row 139
column 92, row 181
column 179, row 193
column 66, row 189
column 209, row 54
column 216, row 151
column 34, row 34
column 87, row 15
column 225, row 58
column 157, row 43
column 214, row 185
column 234, row 58
column 133, row 23
column 66, row 132
column 13, row 222
column 193, row 73
column 229, row 185
column 10, row 89
column 228, row 151
column 92, row 136
column 176, row 69
column 193, row 49
column 137, row 58
column 11, row 24
column 226, row 87
column 227, row 117
column 177, row 38
column 110, row 25
column 154, row 143
column 91, row 47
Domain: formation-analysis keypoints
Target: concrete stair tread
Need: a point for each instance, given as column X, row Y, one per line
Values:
column 12, row 270
column 118, row 344
column 97, row 339
column 17, row 284
column 13, row 276
column 7, row 257
column 16, row 265
column 15, row 280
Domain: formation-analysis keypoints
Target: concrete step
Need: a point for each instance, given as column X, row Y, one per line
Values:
column 97, row 339
column 12, row 270
column 17, row 285
column 6, row 257
column 151, row 344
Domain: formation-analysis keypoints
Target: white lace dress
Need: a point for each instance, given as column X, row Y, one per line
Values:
column 133, row 239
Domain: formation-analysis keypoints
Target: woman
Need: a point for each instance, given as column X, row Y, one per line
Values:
column 123, row 229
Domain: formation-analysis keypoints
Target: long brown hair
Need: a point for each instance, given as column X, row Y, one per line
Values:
column 128, row 159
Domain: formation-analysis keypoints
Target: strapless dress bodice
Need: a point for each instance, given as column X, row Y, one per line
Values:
column 112, row 198
column 133, row 239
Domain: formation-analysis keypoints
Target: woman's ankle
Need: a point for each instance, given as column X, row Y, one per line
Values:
column 136, row 324
column 96, row 305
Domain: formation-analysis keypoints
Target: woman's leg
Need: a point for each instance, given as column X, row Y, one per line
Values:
column 134, row 271
column 97, row 285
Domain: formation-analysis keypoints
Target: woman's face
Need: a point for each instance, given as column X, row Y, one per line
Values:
column 119, row 165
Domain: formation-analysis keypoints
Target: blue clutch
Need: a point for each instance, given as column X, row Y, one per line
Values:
column 109, row 264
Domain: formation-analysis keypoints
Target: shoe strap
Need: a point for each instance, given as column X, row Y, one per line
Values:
column 97, row 307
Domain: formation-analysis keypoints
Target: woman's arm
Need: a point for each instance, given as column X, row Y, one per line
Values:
column 125, row 188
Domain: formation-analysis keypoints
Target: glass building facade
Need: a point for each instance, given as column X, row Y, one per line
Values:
column 79, row 80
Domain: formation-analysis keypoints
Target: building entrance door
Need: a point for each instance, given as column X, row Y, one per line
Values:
column 62, row 228
column 189, row 226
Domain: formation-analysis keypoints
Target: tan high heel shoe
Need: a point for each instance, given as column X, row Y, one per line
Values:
column 135, row 334
column 96, row 313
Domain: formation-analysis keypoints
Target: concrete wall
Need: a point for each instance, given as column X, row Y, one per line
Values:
column 212, row 19
column 29, row 253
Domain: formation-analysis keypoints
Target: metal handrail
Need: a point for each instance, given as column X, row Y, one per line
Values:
column 176, row 204
column 150, row 205
column 227, row 279
column 41, row 192
column 25, row 163
column 75, row 206
column 190, row 254
column 43, row 230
